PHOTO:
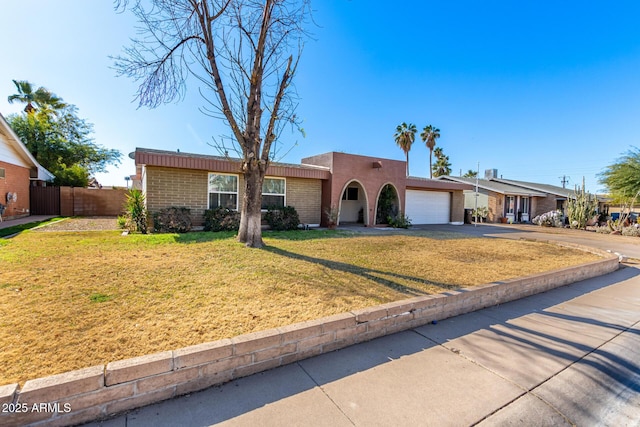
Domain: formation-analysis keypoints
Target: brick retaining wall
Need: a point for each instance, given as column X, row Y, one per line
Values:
column 100, row 391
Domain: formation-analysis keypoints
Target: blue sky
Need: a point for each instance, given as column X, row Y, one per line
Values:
column 538, row 90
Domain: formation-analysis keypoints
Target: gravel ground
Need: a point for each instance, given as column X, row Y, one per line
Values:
column 82, row 224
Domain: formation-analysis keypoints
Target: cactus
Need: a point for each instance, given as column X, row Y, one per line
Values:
column 581, row 208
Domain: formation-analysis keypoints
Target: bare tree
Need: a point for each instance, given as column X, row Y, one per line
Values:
column 244, row 54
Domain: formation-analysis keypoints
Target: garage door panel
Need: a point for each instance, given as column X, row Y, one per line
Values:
column 428, row 207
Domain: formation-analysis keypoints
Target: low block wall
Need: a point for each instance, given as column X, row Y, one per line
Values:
column 100, row 391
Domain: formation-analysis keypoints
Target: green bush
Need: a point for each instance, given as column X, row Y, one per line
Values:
column 172, row 220
column 282, row 219
column 400, row 221
column 221, row 219
column 136, row 211
column 123, row 222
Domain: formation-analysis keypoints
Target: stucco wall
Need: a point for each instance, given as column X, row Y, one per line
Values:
column 347, row 167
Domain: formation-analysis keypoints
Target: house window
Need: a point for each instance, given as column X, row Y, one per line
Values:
column 273, row 193
column 525, row 205
column 223, row 191
column 351, row 193
column 510, row 204
column 2, row 173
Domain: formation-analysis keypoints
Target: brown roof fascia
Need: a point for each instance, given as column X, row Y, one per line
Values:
column 217, row 164
column 434, row 184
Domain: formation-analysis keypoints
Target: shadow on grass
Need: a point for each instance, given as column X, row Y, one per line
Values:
column 366, row 273
column 295, row 235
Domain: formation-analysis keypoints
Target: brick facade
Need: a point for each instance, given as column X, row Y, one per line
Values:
column 16, row 180
column 543, row 204
column 306, row 196
column 181, row 179
column 167, row 187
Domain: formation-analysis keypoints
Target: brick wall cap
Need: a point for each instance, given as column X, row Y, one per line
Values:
column 93, row 372
column 8, row 391
column 139, row 367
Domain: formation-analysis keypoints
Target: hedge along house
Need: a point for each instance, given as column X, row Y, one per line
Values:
column 363, row 189
column 19, row 170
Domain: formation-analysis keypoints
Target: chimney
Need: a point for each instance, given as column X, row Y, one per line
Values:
column 490, row 173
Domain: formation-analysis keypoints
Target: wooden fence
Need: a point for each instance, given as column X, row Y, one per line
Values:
column 73, row 201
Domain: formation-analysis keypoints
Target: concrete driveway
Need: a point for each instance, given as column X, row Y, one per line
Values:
column 566, row 357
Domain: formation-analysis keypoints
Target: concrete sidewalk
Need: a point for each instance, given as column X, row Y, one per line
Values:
column 26, row 220
column 570, row 356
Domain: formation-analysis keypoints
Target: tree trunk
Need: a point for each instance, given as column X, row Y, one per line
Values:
column 430, row 164
column 250, row 232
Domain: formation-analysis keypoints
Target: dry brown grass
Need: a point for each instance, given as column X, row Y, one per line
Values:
column 72, row 300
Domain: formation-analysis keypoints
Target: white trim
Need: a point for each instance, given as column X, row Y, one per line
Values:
column 43, row 174
column 284, row 195
column 209, row 192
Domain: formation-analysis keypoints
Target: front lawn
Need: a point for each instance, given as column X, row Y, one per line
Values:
column 72, row 300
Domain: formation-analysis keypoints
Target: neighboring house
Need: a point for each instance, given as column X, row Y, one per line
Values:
column 18, row 171
column 517, row 201
column 351, row 183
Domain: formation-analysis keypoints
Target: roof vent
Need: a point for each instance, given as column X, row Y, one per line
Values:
column 490, row 173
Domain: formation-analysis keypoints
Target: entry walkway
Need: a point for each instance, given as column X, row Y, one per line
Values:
column 26, row 220
column 570, row 356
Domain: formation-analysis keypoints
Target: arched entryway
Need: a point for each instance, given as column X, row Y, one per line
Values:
column 353, row 204
column 388, row 204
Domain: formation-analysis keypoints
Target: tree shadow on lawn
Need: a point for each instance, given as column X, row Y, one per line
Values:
column 296, row 235
column 366, row 273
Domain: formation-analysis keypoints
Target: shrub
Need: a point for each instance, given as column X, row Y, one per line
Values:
column 481, row 213
column 400, row 221
column 172, row 220
column 221, row 219
column 549, row 219
column 136, row 212
column 123, row 222
column 631, row 231
column 602, row 230
column 281, row 219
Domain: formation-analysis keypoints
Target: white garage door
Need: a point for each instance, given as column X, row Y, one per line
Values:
column 428, row 207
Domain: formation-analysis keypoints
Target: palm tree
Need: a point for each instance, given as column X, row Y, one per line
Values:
column 41, row 97
column 404, row 136
column 442, row 166
column 429, row 136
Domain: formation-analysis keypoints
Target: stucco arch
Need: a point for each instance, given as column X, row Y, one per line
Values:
column 349, row 209
column 397, row 205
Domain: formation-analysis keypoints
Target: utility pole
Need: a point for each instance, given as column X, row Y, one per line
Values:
column 564, row 181
column 475, row 223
